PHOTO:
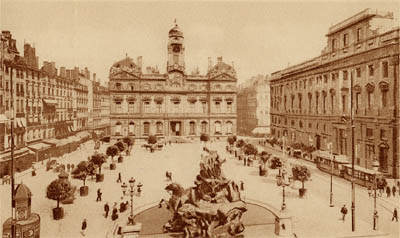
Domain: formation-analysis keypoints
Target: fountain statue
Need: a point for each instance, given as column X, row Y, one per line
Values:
column 211, row 209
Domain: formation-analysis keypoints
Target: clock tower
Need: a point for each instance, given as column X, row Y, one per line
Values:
column 176, row 50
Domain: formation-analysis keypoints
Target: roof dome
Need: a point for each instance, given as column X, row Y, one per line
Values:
column 127, row 62
column 222, row 67
column 176, row 31
column 22, row 191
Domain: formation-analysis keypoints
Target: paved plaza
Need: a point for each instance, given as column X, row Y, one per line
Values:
column 312, row 216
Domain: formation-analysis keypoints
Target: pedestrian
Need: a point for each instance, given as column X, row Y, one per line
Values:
column 245, row 160
column 395, row 215
column 114, row 215
column 99, row 193
column 388, row 191
column 123, row 191
column 241, row 185
column 83, row 228
column 394, row 191
column 106, row 209
column 369, row 191
column 119, row 180
column 344, row 212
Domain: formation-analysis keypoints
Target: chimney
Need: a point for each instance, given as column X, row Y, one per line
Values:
column 219, row 59
column 94, row 77
column 62, row 72
column 209, row 63
column 139, row 62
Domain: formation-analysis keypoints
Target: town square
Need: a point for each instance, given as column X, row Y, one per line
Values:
column 188, row 119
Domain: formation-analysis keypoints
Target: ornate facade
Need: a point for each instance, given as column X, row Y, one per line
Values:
column 174, row 103
column 311, row 101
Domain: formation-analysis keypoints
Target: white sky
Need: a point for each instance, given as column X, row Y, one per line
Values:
column 260, row 37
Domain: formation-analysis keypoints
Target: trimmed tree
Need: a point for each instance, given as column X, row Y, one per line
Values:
column 112, row 151
column 121, row 146
column 58, row 190
column 302, row 174
column 98, row 159
column 231, row 140
column 204, row 137
column 130, row 141
column 152, row 139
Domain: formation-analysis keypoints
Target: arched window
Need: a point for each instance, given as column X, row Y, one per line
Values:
column 218, row 128
column 131, row 128
column 192, row 128
column 118, row 128
column 159, row 127
column 229, row 127
column 204, row 127
column 146, row 128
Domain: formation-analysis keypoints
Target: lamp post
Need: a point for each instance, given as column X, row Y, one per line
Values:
column 331, row 187
column 281, row 181
column 375, row 166
column 134, row 191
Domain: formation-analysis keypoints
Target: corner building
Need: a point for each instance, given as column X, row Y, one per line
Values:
column 311, row 103
column 147, row 102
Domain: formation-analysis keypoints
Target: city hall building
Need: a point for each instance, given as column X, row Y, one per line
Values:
column 174, row 103
column 311, row 103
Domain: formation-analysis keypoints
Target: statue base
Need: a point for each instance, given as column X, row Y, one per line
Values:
column 131, row 230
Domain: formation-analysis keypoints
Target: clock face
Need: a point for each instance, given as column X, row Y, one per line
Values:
column 176, row 48
column 21, row 214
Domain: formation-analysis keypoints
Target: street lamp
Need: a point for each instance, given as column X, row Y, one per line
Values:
column 331, row 189
column 281, row 181
column 134, row 191
column 375, row 166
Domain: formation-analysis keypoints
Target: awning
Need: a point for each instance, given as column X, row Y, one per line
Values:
column 17, row 154
column 50, row 101
column 39, row 146
column 52, row 141
column 260, row 130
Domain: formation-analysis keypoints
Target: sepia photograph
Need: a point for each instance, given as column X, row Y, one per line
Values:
column 199, row 119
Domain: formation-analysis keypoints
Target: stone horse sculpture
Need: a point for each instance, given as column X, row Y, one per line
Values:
column 211, row 209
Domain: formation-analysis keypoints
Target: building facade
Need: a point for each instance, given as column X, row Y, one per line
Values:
column 253, row 107
column 147, row 102
column 311, row 102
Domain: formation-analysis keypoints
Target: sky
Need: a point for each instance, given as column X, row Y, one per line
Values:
column 260, row 37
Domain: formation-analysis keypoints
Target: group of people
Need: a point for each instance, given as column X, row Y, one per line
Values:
column 382, row 187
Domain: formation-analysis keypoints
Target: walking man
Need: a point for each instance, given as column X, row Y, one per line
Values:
column 395, row 215
column 84, row 225
column 344, row 212
column 98, row 195
column 394, row 190
column 369, row 191
column 119, row 180
column 106, row 209
column 123, row 191
column 388, row 191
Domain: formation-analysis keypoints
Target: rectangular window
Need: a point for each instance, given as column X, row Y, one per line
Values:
column 333, row 44
column 345, row 75
column 369, row 100
column 371, row 70
column 383, row 134
column 325, row 78
column 146, row 107
column 384, row 98
column 359, row 34
column 358, row 72
column 369, row 151
column 358, row 101
column 204, row 107
column 176, row 107
column 229, row 107
column 344, row 107
column 217, row 107
column 345, row 39
column 118, row 106
column 159, row 107
column 146, row 128
column 192, row 107
column 131, row 107
column 370, row 132
column 385, row 69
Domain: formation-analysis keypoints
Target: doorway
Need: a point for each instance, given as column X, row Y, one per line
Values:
column 176, row 128
column 318, row 142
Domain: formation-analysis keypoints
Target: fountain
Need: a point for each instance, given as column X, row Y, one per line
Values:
column 211, row 209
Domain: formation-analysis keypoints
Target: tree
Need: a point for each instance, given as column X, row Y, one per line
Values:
column 84, row 169
column 250, row 149
column 112, row 151
column 121, row 146
column 240, row 143
column 130, row 141
column 301, row 173
column 58, row 190
column 152, row 139
column 204, row 137
column 231, row 140
column 98, row 159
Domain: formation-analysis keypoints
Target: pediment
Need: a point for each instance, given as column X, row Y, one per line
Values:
column 123, row 75
column 223, row 76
